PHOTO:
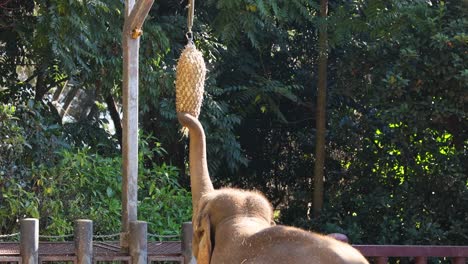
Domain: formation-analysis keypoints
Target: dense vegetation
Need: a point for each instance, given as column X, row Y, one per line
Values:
column 396, row 167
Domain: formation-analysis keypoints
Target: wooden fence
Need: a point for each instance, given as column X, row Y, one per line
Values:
column 83, row 250
column 380, row 254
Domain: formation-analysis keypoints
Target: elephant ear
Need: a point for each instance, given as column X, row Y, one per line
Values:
column 202, row 240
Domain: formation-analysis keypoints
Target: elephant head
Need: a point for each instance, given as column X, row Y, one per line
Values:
column 222, row 209
column 236, row 226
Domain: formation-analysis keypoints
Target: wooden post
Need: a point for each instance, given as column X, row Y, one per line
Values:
column 420, row 260
column 135, row 14
column 29, row 240
column 458, row 260
column 187, row 234
column 139, row 242
column 381, row 260
column 84, row 241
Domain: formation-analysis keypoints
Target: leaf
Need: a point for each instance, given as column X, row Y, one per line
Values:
column 109, row 192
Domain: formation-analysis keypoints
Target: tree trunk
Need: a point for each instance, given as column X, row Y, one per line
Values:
column 41, row 86
column 115, row 115
column 319, row 168
column 58, row 92
column 68, row 100
column 92, row 97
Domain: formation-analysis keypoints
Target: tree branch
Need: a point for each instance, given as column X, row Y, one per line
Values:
column 115, row 116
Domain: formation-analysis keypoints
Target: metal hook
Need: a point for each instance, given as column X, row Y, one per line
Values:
column 189, row 36
column 190, row 15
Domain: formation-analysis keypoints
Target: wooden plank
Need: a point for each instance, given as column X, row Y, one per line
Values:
column 126, row 259
column 102, row 251
column 412, row 251
column 57, row 258
column 173, row 249
column 165, row 258
column 10, row 259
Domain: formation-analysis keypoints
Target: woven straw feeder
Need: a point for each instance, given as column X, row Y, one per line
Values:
column 190, row 81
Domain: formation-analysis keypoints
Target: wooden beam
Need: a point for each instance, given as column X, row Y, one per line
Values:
column 138, row 15
column 135, row 14
column 129, row 134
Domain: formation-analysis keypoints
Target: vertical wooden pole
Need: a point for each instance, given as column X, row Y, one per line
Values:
column 138, row 242
column 321, row 107
column 420, row 260
column 129, row 128
column 84, row 241
column 135, row 14
column 381, row 260
column 29, row 240
column 458, row 260
column 187, row 234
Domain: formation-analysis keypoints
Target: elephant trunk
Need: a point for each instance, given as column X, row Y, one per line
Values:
column 199, row 177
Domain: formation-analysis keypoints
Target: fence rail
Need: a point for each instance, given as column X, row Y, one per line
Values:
column 83, row 250
column 381, row 253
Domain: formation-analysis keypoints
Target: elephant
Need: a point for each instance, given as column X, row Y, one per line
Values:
column 234, row 226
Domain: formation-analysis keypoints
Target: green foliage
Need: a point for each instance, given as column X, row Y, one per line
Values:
column 85, row 185
column 163, row 203
column 397, row 169
column 28, row 138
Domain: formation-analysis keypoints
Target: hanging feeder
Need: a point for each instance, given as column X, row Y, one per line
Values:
column 190, row 74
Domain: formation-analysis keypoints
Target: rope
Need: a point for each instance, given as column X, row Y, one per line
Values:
column 163, row 236
column 55, row 237
column 106, row 236
column 9, row 235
